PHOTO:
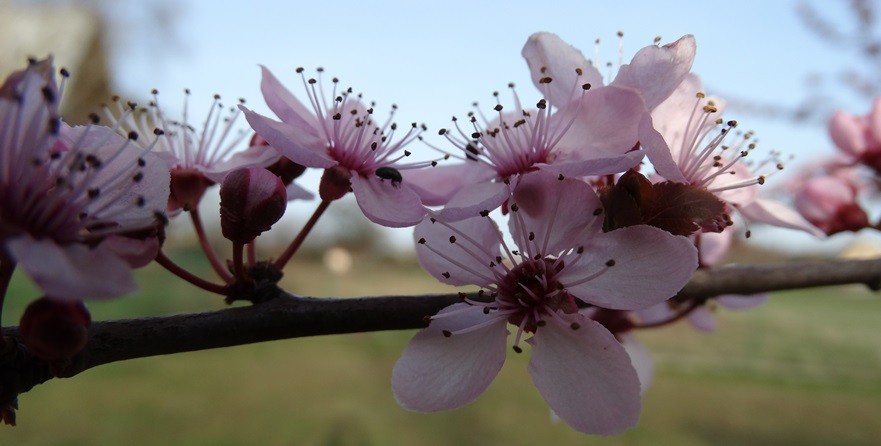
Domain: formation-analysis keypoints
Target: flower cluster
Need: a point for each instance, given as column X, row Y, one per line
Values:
column 598, row 243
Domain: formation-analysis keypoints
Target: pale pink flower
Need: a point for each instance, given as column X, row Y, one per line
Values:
column 66, row 193
column 687, row 141
column 341, row 136
column 563, row 258
column 198, row 157
column 579, row 128
column 859, row 137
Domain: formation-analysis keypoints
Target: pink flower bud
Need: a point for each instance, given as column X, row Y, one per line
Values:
column 251, row 201
column 335, row 182
column 55, row 330
column 829, row 203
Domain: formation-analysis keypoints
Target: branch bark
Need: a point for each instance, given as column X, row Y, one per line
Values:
column 293, row 317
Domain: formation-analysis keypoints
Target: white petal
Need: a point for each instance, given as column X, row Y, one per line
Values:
column 585, row 376
column 436, row 372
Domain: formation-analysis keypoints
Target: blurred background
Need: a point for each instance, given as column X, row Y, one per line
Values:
column 804, row 368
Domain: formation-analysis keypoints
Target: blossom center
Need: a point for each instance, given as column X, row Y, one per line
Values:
column 530, row 292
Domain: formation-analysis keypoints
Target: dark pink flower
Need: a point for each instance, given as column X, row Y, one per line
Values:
column 341, row 133
column 65, row 191
column 562, row 258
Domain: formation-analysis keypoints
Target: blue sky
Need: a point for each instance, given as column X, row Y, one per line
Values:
column 434, row 59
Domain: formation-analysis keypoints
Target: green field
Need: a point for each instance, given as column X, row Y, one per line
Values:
column 805, row 369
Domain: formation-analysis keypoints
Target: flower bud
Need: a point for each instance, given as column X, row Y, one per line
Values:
column 251, row 201
column 55, row 330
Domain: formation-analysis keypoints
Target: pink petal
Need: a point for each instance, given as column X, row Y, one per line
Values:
column 741, row 302
column 549, row 56
column 874, row 121
column 650, row 266
column 296, row 192
column 656, row 71
column 607, row 125
column 284, row 104
column 436, row 185
column 390, row 204
column 436, row 372
column 472, row 200
column 848, row 133
column 586, row 377
column 254, row 156
column 640, row 358
column 136, row 252
column 298, row 142
column 440, row 258
column 658, row 152
column 775, row 213
column 702, row 318
column 72, row 271
column 595, row 166
column 714, row 246
column 120, row 204
column 558, row 212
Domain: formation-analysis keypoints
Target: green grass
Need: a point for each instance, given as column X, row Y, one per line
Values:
column 804, row 369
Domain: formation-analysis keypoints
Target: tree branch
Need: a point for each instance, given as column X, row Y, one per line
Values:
column 293, row 317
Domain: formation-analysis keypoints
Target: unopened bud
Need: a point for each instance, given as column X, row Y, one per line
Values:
column 251, row 201
column 55, row 330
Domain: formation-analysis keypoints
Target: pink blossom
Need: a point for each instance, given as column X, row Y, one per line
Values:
column 198, row 157
column 563, row 258
column 342, row 134
column 65, row 191
column 859, row 137
column 687, row 141
column 579, row 128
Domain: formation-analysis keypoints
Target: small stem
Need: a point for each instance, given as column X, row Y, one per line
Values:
column 295, row 244
column 7, row 267
column 206, row 247
column 179, row 271
column 252, row 252
column 238, row 254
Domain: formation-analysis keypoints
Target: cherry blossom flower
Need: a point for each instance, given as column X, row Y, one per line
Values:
column 688, row 142
column 341, row 136
column 66, row 193
column 198, row 158
column 563, row 258
column 859, row 137
column 578, row 128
